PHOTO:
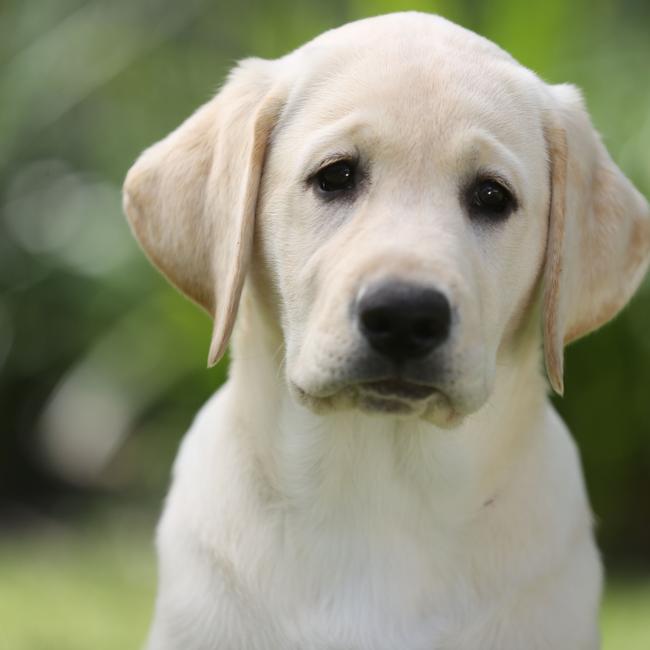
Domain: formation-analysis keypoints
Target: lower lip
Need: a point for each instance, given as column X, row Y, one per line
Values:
column 400, row 389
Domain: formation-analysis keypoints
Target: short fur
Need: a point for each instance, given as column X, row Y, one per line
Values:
column 305, row 513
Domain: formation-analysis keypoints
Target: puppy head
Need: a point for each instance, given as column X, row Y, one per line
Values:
column 410, row 187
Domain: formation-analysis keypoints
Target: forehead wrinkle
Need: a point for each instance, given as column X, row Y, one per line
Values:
column 341, row 136
column 481, row 150
column 410, row 98
column 315, row 77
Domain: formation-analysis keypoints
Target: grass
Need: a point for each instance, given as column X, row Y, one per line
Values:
column 77, row 590
column 625, row 620
column 93, row 588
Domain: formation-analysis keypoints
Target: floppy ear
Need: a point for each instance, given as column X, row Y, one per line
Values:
column 191, row 198
column 599, row 232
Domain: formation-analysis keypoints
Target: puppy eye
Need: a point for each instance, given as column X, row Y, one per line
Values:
column 490, row 199
column 337, row 176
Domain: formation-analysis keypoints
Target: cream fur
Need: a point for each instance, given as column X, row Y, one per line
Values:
column 300, row 516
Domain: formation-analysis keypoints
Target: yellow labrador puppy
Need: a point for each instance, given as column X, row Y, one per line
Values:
column 409, row 224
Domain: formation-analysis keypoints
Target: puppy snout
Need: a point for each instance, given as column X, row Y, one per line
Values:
column 403, row 321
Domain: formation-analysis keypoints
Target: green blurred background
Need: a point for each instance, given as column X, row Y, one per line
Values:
column 102, row 364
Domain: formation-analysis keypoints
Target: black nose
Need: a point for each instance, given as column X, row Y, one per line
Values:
column 404, row 321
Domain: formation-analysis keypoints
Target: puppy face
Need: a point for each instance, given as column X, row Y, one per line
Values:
column 409, row 187
column 403, row 219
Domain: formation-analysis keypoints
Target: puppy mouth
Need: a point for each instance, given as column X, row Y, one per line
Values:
column 395, row 395
column 398, row 388
column 390, row 396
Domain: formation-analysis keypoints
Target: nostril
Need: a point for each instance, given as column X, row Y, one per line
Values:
column 377, row 321
column 434, row 327
column 424, row 328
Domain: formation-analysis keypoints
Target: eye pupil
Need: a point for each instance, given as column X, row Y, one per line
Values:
column 490, row 194
column 337, row 176
column 491, row 199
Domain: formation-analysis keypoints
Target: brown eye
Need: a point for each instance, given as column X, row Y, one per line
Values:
column 336, row 177
column 489, row 199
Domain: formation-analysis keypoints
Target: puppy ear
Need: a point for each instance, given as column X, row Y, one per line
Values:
column 191, row 198
column 599, row 232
